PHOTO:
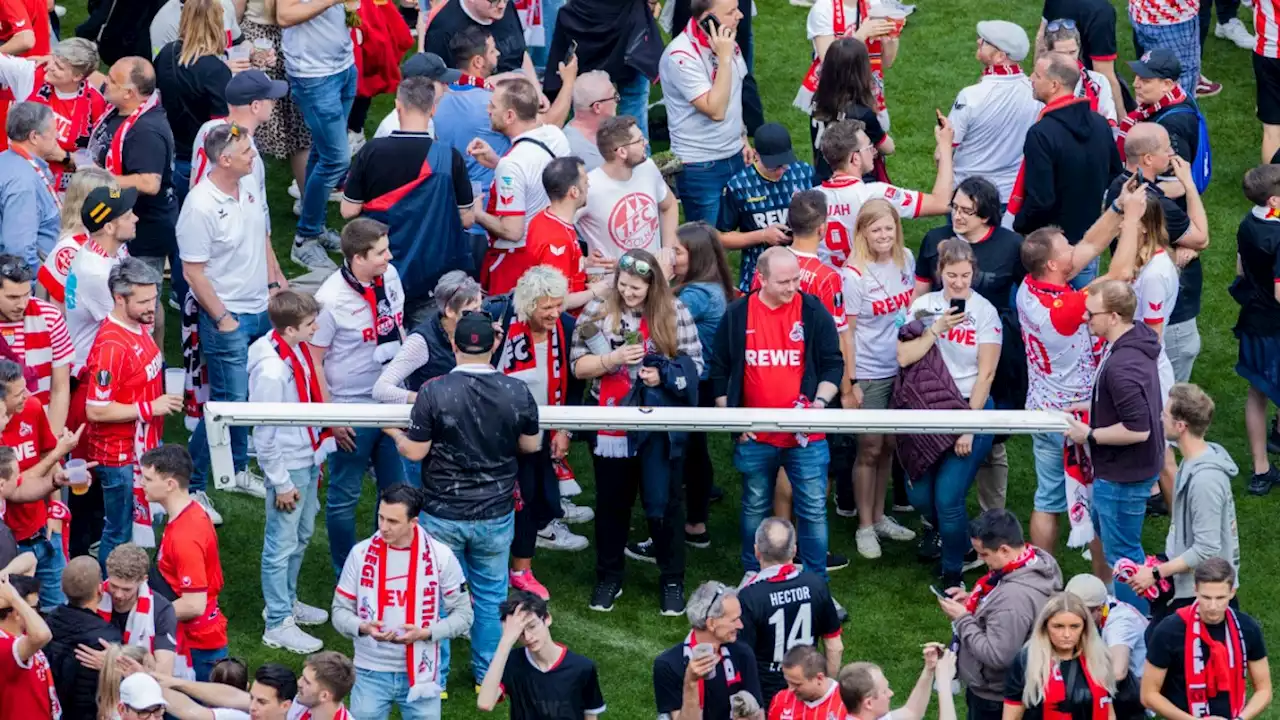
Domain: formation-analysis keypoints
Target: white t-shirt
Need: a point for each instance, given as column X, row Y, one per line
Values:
column 624, row 215
column 686, row 71
column 345, row 329
column 229, row 714
column 517, row 180
column 990, row 119
column 878, row 297
column 164, row 26
column 845, row 197
column 202, row 166
column 1061, row 362
column 229, row 235
column 89, row 297
column 1157, row 289
column 536, row 377
column 390, row 657
column 1126, row 626
column 959, row 346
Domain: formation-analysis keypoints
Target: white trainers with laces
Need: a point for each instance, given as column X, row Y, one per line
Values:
column 246, row 482
column 202, row 498
column 310, row 254
column 557, row 536
column 889, row 529
column 576, row 514
column 1236, row 32
column 305, row 614
column 292, row 638
column 867, row 542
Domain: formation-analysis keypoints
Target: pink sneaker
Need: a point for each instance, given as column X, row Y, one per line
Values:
column 527, row 582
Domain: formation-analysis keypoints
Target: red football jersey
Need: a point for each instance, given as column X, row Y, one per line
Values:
column 28, row 690
column 30, row 436
column 552, row 241
column 786, row 706
column 821, row 281
column 189, row 561
column 774, row 361
column 33, row 15
column 124, row 367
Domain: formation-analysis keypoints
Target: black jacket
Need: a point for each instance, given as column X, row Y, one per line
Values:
column 1069, row 158
column 822, row 359
column 77, row 685
column 1128, row 391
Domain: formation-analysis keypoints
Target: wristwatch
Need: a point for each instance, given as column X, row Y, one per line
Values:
column 218, row 320
column 1155, row 573
column 820, row 400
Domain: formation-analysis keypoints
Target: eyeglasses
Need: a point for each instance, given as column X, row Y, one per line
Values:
column 635, row 266
column 962, row 210
column 614, row 98
column 1089, row 314
column 865, row 148
column 151, row 712
column 1060, row 24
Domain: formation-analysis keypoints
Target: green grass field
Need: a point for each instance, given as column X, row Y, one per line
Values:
column 891, row 607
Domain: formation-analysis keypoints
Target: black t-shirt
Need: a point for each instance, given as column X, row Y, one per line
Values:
column 733, row 674
column 508, row 35
column 1015, row 680
column 1096, row 21
column 569, row 690
column 192, row 94
column 8, row 546
column 1190, row 278
column 148, row 149
column 1000, row 269
column 875, row 133
column 1183, row 127
column 388, row 163
column 1258, row 243
column 1167, row 650
column 779, row 613
column 165, row 619
column 474, row 419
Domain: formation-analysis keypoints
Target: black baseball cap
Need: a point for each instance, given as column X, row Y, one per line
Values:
column 1158, row 63
column 429, row 65
column 250, row 85
column 773, row 143
column 474, row 333
column 105, row 204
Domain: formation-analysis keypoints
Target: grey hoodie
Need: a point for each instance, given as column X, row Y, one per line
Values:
column 1203, row 521
column 991, row 637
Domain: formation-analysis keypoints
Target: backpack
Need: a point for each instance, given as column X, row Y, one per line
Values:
column 1202, row 163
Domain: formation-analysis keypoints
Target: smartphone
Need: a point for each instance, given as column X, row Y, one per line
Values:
column 937, row 592
column 957, row 304
column 573, row 50
column 709, row 24
column 791, row 236
column 939, row 118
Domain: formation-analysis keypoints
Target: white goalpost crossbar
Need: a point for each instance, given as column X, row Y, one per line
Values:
column 221, row 416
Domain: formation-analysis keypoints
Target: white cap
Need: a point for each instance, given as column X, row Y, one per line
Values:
column 140, row 691
column 1089, row 589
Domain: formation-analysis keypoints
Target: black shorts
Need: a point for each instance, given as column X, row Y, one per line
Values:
column 1267, row 73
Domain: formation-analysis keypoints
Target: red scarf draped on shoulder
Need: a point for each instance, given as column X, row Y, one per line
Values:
column 1213, row 667
column 1055, row 694
column 1017, row 196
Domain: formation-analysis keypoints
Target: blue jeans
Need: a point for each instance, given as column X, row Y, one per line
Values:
column 376, row 691
column 117, row 508
column 50, row 563
column 1085, row 276
column 1118, row 511
column 226, row 356
column 635, row 101
column 700, row 186
column 807, row 472
column 202, row 661
column 939, row 495
column 284, row 543
column 346, row 480
column 484, row 549
column 1051, row 479
column 181, row 179
column 325, row 103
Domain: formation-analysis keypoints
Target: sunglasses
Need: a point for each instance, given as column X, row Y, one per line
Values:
column 1060, row 24
column 635, row 266
column 15, row 268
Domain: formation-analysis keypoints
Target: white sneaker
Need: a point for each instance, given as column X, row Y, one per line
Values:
column 297, row 208
column 247, row 482
column 292, row 638
column 202, row 498
column 1236, row 32
column 846, row 513
column 889, row 529
column 294, row 192
column 576, row 514
column 309, row 254
column 556, row 536
column 330, row 240
column 356, row 141
column 802, row 3
column 60, row 11
column 867, row 542
column 305, row 614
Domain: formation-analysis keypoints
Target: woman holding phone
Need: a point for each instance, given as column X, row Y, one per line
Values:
column 618, row 341
column 966, row 329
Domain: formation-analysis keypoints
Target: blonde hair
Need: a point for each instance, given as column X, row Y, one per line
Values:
column 109, row 677
column 872, row 212
column 201, row 30
column 84, row 181
column 1155, row 233
column 659, row 304
column 1040, row 652
column 539, row 281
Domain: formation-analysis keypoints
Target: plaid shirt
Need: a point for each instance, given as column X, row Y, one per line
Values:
column 686, row 334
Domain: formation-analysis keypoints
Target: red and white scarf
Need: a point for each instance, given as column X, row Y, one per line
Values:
column 422, row 606
column 115, row 153
column 140, row 627
column 1055, row 695
column 46, row 175
column 196, row 386
column 340, row 714
column 731, row 675
column 472, row 81
column 57, row 510
column 1002, row 70
column 775, row 574
column 1145, row 112
column 987, row 583
column 307, row 382
column 1088, row 87
column 1213, row 667
column 614, row 387
column 701, row 42
column 1078, row 469
column 39, row 665
column 1019, row 190
column 37, row 347
column 519, row 354
column 53, row 272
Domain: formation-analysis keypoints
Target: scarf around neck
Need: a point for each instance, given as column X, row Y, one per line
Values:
column 385, row 328
column 1019, row 190
column 731, row 676
column 1056, row 695
column 519, row 353
column 987, row 583
column 114, row 161
column 1146, row 112
column 614, row 387
column 1213, row 667
column 140, row 627
column 1002, row 70
column 307, row 383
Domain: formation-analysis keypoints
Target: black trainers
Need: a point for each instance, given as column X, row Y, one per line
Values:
column 930, row 548
column 701, row 540
column 836, row 561
column 603, row 597
column 716, row 494
column 1261, row 484
column 642, row 551
column 671, row 604
column 1156, row 506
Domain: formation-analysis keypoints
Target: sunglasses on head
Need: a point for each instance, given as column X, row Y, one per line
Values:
column 1061, row 23
column 15, row 268
column 482, row 314
column 635, row 265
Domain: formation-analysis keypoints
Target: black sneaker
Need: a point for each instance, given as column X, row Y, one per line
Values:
column 930, row 548
column 1156, row 506
column 642, row 551
column 1261, row 484
column 971, row 561
column 701, row 540
column 603, row 597
column 671, row 603
column 716, row 494
column 1273, row 440
column 835, row 561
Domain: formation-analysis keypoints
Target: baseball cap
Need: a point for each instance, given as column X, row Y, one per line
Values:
column 429, row 65
column 140, row 691
column 252, row 85
column 474, row 333
column 1089, row 589
column 1158, row 63
column 1007, row 36
column 773, row 143
column 105, row 204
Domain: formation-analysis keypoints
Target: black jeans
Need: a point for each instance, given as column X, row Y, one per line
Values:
column 618, row 482
column 699, row 474
column 982, row 708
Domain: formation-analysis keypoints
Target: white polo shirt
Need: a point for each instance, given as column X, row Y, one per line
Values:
column 622, row 216
column 990, row 121
column 229, row 235
column 345, row 330
column 201, row 165
column 687, row 70
column 517, row 179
